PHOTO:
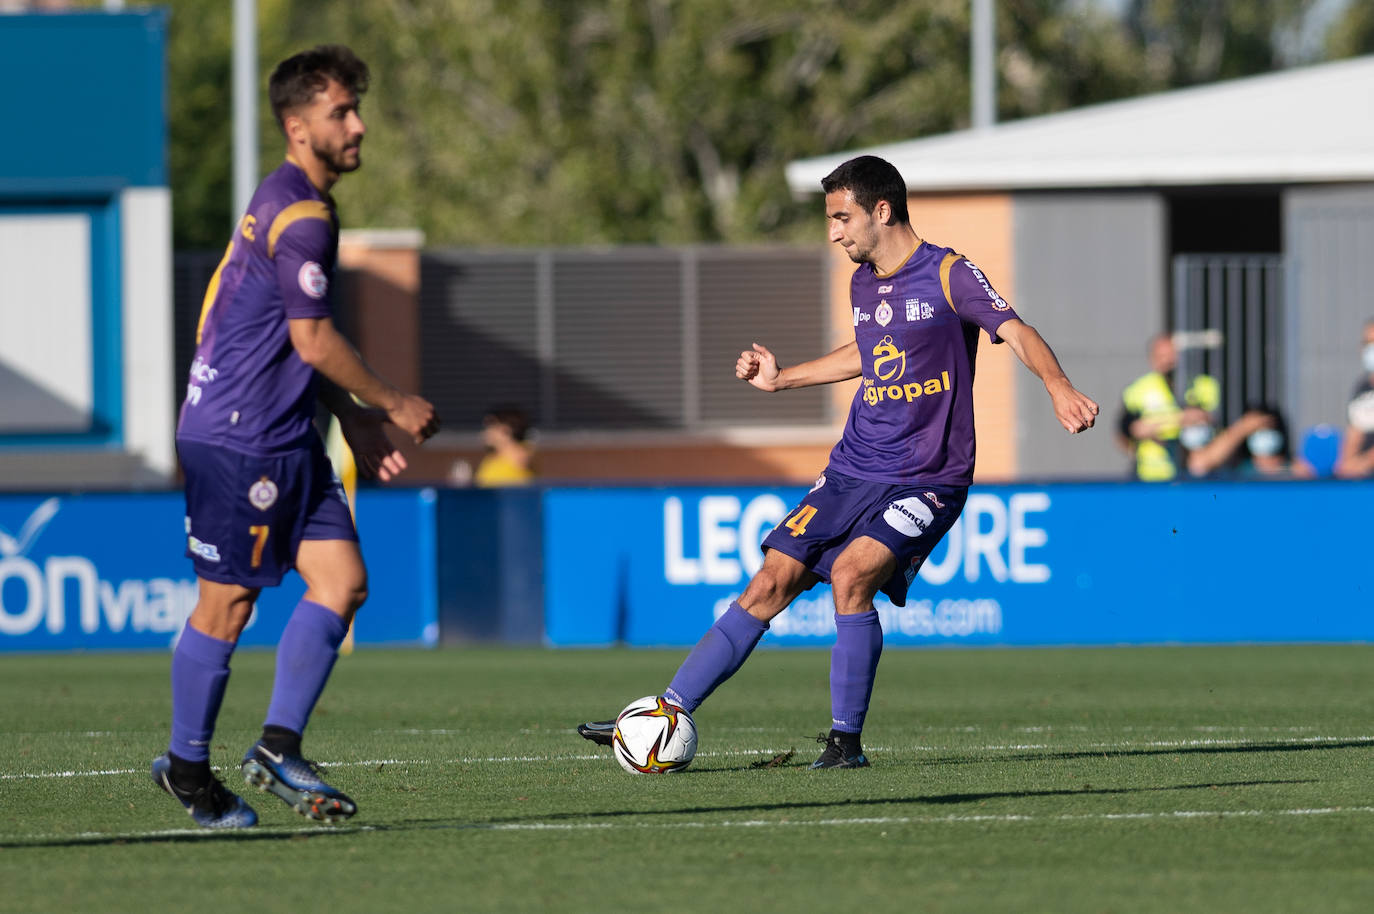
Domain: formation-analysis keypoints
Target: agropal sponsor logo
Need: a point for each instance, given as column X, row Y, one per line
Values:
column 48, row 594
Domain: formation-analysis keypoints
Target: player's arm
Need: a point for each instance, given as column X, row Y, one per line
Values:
column 1352, row 463
column 1226, row 443
column 320, row 345
column 1074, row 410
column 760, row 368
column 300, row 242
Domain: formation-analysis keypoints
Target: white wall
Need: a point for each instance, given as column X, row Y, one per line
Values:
column 149, row 385
column 45, row 322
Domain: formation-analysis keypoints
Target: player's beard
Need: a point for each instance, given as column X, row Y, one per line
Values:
column 864, row 246
column 860, row 254
column 340, row 161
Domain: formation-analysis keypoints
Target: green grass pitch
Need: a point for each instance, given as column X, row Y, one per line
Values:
column 1103, row 780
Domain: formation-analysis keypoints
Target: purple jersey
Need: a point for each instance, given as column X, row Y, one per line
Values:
column 917, row 331
column 248, row 389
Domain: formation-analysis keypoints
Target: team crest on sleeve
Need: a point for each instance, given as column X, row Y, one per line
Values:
column 820, row 481
column 910, row 516
column 263, row 494
column 312, row 280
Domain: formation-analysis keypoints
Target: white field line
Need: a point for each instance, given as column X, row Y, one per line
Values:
column 1106, row 748
column 1055, row 728
column 1178, row 815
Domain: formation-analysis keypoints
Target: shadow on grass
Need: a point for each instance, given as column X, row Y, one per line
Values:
column 553, row 821
column 1002, row 756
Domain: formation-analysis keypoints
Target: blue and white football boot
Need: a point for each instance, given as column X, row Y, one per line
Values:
column 297, row 782
column 210, row 806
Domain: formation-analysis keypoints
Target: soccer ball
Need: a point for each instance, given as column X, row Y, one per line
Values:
column 653, row 736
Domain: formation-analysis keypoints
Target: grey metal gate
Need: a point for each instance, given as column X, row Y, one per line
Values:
column 1228, row 321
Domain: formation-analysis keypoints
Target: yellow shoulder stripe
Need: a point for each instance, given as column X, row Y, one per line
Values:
column 301, row 209
column 945, row 266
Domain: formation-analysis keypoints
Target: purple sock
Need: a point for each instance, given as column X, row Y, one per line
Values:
column 200, row 673
column 305, row 655
column 853, row 666
column 719, row 653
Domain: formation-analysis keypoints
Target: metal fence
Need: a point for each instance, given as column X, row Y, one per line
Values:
column 1228, row 320
column 625, row 338
column 629, row 338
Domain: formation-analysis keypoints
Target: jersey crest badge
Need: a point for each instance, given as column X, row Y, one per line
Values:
column 312, row 280
column 883, row 313
column 263, row 494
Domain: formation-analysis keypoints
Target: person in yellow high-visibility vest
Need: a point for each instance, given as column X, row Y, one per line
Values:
column 1154, row 427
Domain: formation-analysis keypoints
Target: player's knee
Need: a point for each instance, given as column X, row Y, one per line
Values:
column 765, row 589
column 357, row 594
column 851, row 587
column 345, row 596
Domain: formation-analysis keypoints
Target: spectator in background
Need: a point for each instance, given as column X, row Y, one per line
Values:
column 1357, row 446
column 1255, row 446
column 509, row 459
column 1153, row 427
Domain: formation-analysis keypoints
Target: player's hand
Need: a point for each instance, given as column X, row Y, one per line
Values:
column 759, row 367
column 1194, row 415
column 1074, row 410
column 375, row 456
column 415, row 416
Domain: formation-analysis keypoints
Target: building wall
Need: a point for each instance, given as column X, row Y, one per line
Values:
column 1329, row 234
column 85, row 251
column 1090, row 276
column 979, row 226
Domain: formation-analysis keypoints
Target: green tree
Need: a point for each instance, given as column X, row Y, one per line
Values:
column 1353, row 32
column 540, row 122
column 1186, row 42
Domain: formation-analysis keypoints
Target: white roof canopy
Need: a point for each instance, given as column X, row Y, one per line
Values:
column 1312, row 124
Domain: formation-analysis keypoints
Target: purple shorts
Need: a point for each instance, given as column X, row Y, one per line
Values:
column 907, row 519
column 246, row 515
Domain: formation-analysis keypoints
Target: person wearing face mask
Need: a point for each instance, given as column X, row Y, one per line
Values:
column 1153, row 427
column 1255, row 446
column 1357, row 445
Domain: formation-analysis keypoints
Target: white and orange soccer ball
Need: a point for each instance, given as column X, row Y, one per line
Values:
column 654, row 736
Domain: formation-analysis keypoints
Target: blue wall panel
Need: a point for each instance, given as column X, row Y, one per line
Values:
column 85, row 102
column 102, row 571
column 1057, row 564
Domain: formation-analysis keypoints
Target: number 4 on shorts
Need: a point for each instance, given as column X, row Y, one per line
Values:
column 798, row 519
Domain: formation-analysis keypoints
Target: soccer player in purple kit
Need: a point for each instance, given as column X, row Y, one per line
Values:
column 261, row 497
column 898, row 478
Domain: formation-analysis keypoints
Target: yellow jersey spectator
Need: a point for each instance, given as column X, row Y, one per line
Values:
column 1154, row 427
column 509, row 458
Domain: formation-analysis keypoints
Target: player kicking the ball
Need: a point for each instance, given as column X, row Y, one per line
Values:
column 261, row 497
column 898, row 477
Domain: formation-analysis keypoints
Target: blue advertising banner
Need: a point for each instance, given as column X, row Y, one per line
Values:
column 1105, row 563
column 107, row 571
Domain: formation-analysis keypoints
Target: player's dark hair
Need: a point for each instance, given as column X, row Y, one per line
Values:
column 871, row 179
column 296, row 79
column 511, row 416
